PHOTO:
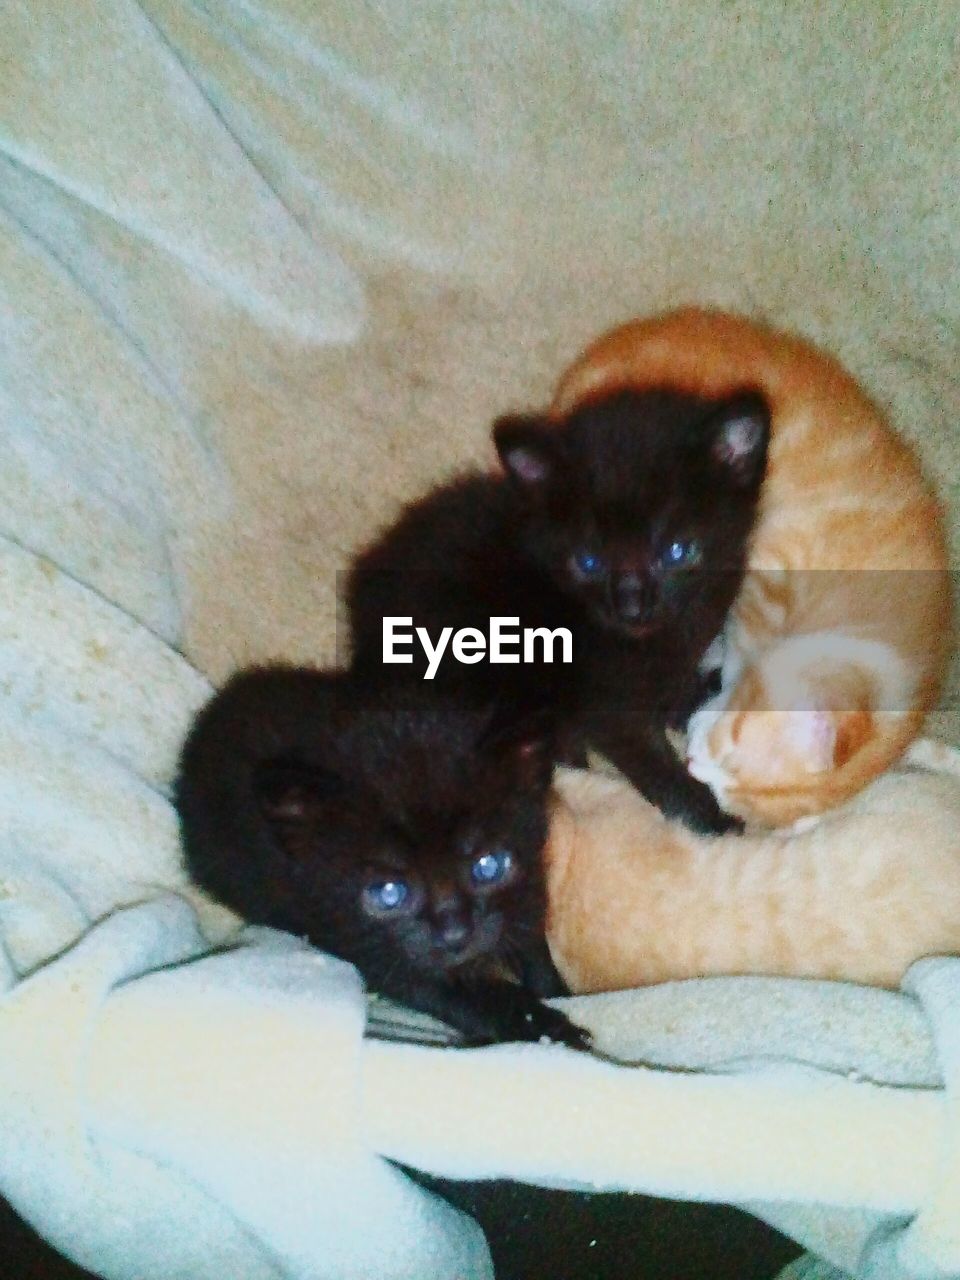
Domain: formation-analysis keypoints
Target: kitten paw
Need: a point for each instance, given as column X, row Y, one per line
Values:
column 708, row 819
column 727, row 824
column 499, row 1012
column 533, row 1022
column 557, row 1028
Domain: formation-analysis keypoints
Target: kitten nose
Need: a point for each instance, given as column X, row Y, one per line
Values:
column 452, row 927
column 633, row 596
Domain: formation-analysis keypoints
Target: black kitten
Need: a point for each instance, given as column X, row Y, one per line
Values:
column 627, row 523
column 393, row 828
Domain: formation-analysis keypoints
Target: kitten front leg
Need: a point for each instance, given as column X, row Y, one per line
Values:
column 658, row 775
column 510, row 1012
column 538, row 973
column 487, row 1010
column 704, row 686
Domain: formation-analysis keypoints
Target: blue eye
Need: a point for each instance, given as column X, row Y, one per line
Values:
column 683, row 553
column 588, row 563
column 385, row 895
column 491, row 868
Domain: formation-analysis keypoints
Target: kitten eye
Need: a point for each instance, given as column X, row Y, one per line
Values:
column 587, row 563
column 491, row 868
column 383, row 896
column 683, row 553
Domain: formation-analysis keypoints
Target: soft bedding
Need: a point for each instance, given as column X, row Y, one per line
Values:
column 268, row 268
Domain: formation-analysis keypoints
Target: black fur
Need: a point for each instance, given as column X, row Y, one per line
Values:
column 301, row 792
column 621, row 481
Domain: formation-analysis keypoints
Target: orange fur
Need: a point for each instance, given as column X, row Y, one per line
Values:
column 873, row 886
column 849, row 553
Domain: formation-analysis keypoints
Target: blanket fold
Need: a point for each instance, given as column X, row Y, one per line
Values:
column 930, row 1245
column 89, row 133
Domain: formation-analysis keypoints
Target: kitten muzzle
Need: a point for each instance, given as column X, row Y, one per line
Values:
column 451, row 929
column 459, row 939
column 634, row 600
column 634, row 604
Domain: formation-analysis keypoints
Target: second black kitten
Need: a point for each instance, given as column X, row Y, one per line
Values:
column 628, row 523
column 395, row 828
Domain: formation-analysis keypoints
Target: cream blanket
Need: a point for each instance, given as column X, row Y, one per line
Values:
column 267, row 268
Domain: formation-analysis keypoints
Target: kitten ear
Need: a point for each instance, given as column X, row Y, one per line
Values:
column 526, row 446
column 533, row 755
column 826, row 738
column 525, row 743
column 813, row 736
column 738, row 434
column 290, row 794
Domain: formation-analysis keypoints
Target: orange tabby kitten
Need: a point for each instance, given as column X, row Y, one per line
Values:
column 636, row 899
column 835, row 650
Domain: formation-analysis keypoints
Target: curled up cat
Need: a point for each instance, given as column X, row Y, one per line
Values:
column 836, row 648
column 392, row 827
column 626, row 522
